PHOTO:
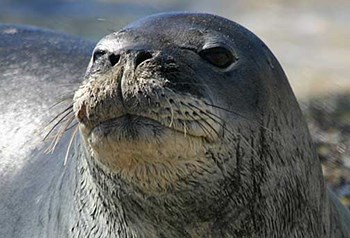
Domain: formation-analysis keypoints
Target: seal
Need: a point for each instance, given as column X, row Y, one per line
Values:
column 186, row 127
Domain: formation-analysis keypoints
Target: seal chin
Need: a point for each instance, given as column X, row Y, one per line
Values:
column 144, row 152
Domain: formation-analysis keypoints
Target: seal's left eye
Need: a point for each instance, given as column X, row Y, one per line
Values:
column 218, row 56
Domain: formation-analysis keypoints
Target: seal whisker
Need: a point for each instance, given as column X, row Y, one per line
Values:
column 170, row 107
column 239, row 134
column 205, row 130
column 185, row 83
column 184, row 123
column 235, row 135
column 172, row 113
column 238, row 114
column 59, row 135
column 70, row 144
column 58, row 122
column 200, row 124
column 63, row 99
column 69, row 108
column 73, row 125
column 64, row 117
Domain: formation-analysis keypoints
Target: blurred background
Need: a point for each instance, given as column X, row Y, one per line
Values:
column 311, row 39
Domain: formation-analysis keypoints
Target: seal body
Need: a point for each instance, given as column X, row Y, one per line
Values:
column 186, row 127
column 38, row 68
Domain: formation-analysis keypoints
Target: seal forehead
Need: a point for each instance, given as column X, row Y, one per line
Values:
column 177, row 21
column 175, row 29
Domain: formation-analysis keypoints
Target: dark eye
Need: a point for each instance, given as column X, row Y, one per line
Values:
column 98, row 54
column 218, row 56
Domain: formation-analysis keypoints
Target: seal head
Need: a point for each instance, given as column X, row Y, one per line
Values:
column 159, row 93
column 194, row 112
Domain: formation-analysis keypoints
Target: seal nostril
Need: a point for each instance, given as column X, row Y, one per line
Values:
column 141, row 57
column 82, row 113
column 114, row 59
column 98, row 54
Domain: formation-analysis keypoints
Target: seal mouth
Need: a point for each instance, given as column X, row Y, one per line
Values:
column 137, row 127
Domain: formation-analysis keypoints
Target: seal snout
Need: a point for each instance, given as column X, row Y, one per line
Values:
column 158, row 84
column 106, row 58
column 105, row 96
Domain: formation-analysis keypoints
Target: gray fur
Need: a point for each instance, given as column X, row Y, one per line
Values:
column 261, row 176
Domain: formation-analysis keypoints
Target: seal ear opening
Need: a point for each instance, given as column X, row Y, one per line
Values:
column 218, row 56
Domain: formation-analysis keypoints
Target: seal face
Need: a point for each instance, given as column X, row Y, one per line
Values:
column 149, row 107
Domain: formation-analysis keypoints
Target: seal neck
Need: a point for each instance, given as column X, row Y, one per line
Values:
column 105, row 204
column 97, row 215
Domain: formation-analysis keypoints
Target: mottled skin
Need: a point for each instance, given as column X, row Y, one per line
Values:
column 169, row 145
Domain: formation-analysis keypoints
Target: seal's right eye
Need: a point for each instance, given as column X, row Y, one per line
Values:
column 98, row 54
column 218, row 56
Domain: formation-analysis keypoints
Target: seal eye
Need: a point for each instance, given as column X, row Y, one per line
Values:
column 218, row 56
column 98, row 54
